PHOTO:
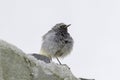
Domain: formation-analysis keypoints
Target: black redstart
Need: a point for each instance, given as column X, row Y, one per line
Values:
column 57, row 42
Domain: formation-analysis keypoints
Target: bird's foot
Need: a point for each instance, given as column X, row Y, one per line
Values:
column 65, row 65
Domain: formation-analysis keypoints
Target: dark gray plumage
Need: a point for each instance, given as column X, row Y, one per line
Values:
column 57, row 42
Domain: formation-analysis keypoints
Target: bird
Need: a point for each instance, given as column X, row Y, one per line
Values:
column 57, row 42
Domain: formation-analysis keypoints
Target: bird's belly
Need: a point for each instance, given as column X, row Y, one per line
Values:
column 58, row 48
column 64, row 51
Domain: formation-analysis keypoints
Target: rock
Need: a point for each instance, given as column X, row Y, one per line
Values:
column 86, row 79
column 13, row 65
column 41, row 57
column 16, row 65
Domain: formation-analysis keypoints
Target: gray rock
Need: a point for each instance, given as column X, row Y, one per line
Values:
column 13, row 65
column 86, row 79
column 41, row 57
column 16, row 65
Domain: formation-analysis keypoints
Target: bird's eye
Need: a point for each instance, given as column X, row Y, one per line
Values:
column 63, row 26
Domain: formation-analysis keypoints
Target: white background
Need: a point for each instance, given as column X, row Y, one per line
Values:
column 95, row 29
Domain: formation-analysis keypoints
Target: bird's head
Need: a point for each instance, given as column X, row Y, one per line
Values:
column 61, row 27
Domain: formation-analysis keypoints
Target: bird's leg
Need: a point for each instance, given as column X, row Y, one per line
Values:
column 58, row 61
column 61, row 63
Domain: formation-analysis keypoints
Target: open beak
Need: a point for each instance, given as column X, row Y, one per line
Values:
column 68, row 25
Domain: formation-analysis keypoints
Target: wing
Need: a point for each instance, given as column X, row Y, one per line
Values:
column 51, row 44
column 44, row 36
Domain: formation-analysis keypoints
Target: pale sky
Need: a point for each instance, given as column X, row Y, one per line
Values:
column 95, row 29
